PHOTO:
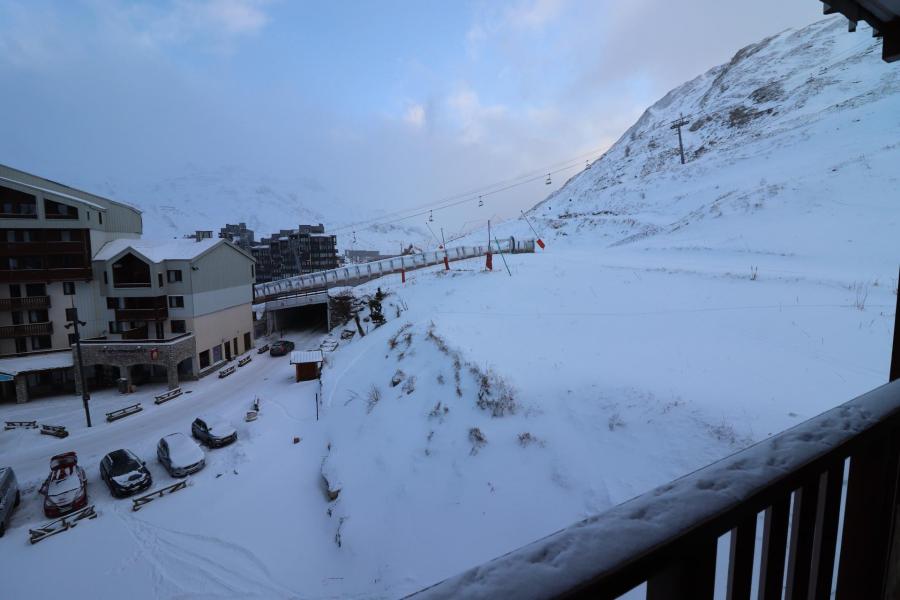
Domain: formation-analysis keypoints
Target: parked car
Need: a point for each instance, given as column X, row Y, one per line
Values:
column 281, row 347
column 124, row 473
column 9, row 496
column 65, row 489
column 180, row 455
column 213, row 431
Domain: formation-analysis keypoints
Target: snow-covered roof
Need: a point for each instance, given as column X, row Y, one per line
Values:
column 158, row 250
column 36, row 362
column 306, row 356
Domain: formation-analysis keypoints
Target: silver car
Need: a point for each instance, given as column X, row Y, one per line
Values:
column 9, row 496
column 180, row 455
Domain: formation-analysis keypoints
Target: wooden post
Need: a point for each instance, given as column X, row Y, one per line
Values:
column 895, row 353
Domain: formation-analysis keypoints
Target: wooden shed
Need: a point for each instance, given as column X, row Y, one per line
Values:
column 308, row 364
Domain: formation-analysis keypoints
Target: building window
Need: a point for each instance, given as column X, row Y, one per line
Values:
column 248, row 343
column 38, row 316
column 176, row 301
column 40, row 342
column 115, row 327
column 252, row 272
column 130, row 271
column 16, row 316
column 35, row 289
column 58, row 210
column 15, row 290
column 100, row 216
column 69, row 288
column 112, row 303
column 71, row 314
column 71, row 339
column 217, row 353
column 178, row 326
column 105, row 277
column 204, row 359
column 159, row 279
column 20, row 345
column 174, row 275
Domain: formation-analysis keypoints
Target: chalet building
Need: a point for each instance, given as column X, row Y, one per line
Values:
column 151, row 310
column 292, row 252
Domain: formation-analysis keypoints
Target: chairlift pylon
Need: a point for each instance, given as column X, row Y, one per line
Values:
column 587, row 164
column 480, row 201
column 548, row 182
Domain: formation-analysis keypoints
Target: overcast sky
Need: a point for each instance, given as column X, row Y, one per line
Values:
column 386, row 104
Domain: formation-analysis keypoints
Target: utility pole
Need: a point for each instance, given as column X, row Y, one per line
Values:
column 85, row 396
column 677, row 125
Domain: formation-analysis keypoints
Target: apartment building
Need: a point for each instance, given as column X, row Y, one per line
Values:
column 239, row 235
column 291, row 252
column 150, row 310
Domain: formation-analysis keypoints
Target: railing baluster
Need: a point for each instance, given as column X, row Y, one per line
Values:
column 771, row 572
column 827, row 518
column 690, row 578
column 740, row 563
column 868, row 516
column 803, row 523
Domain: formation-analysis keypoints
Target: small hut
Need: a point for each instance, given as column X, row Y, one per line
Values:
column 308, row 364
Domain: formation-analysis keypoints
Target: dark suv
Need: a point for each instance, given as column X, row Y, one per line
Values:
column 213, row 432
column 124, row 473
column 281, row 347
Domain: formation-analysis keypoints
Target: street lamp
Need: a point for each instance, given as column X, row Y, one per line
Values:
column 85, row 396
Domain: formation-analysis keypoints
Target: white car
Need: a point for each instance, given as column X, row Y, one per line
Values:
column 180, row 455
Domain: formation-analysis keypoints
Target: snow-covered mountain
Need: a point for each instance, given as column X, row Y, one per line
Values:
column 792, row 147
column 201, row 198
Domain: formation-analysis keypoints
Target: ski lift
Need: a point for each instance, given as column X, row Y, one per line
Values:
column 480, row 201
column 548, row 182
column 431, row 216
column 354, row 237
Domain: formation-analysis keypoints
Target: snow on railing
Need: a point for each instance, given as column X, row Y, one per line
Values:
column 363, row 272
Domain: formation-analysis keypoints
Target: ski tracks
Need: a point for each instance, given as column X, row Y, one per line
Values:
column 190, row 565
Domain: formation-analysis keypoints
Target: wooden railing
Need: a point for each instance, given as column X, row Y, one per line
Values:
column 46, row 275
column 824, row 492
column 39, row 248
column 28, row 329
column 25, row 303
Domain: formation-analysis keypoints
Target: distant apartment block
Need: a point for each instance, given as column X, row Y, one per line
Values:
column 362, row 256
column 238, row 235
column 291, row 252
column 163, row 310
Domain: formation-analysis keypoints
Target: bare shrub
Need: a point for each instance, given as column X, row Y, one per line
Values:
column 409, row 386
column 615, row 421
column 478, row 440
column 373, row 398
column 402, row 335
column 526, row 439
column 494, row 393
column 754, row 273
column 440, row 378
column 438, row 411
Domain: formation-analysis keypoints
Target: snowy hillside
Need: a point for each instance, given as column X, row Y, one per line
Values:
column 209, row 198
column 792, row 149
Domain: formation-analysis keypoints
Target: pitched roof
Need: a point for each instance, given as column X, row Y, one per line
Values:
column 158, row 250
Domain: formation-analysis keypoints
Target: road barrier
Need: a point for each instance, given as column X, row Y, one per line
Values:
column 141, row 501
column 123, row 412
column 61, row 524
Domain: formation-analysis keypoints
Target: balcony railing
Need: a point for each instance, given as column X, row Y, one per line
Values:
column 46, row 275
column 25, row 303
column 817, row 542
column 28, row 329
column 41, row 248
column 142, row 314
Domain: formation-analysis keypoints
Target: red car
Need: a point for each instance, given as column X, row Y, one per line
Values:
column 65, row 489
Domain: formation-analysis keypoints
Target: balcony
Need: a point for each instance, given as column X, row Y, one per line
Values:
column 46, row 275
column 142, row 314
column 29, row 329
column 41, row 248
column 26, row 303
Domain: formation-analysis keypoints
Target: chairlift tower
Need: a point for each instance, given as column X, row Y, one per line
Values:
column 677, row 125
